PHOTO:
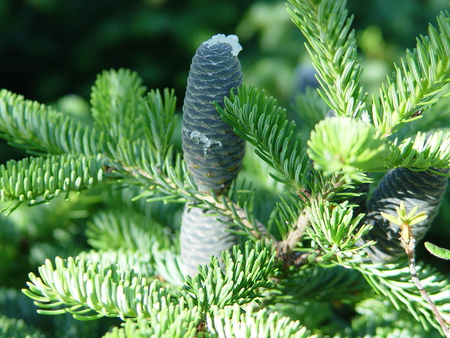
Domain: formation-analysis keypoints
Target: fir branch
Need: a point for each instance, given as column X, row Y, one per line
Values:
column 406, row 221
column 163, row 265
column 257, row 118
column 126, row 229
column 292, row 224
column 117, row 105
column 176, row 184
column 233, row 322
column 332, row 47
column 230, row 321
column 173, row 321
column 336, row 231
column 317, row 283
column 417, row 82
column 38, row 180
column 240, row 212
column 424, row 151
column 133, row 160
column 364, row 149
column 348, row 146
column 134, row 164
column 12, row 327
column 159, row 120
column 311, row 109
column 90, row 290
column 41, row 130
column 378, row 317
column 243, row 275
column 394, row 282
column 123, row 259
column 286, row 215
column 123, row 114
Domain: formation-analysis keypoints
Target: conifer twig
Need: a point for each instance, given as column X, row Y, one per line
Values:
column 408, row 242
column 226, row 206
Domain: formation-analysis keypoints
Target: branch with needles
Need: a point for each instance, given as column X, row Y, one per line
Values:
column 405, row 222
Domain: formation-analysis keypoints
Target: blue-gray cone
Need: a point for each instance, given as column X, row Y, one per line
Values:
column 423, row 189
column 203, row 235
column 212, row 151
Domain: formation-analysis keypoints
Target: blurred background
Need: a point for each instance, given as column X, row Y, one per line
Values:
column 52, row 50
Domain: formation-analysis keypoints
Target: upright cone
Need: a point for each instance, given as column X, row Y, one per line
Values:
column 212, row 151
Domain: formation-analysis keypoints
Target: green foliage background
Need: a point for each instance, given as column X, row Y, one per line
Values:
column 53, row 49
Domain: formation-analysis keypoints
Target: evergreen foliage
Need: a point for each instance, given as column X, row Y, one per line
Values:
column 257, row 119
column 38, row 180
column 298, row 269
column 11, row 327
